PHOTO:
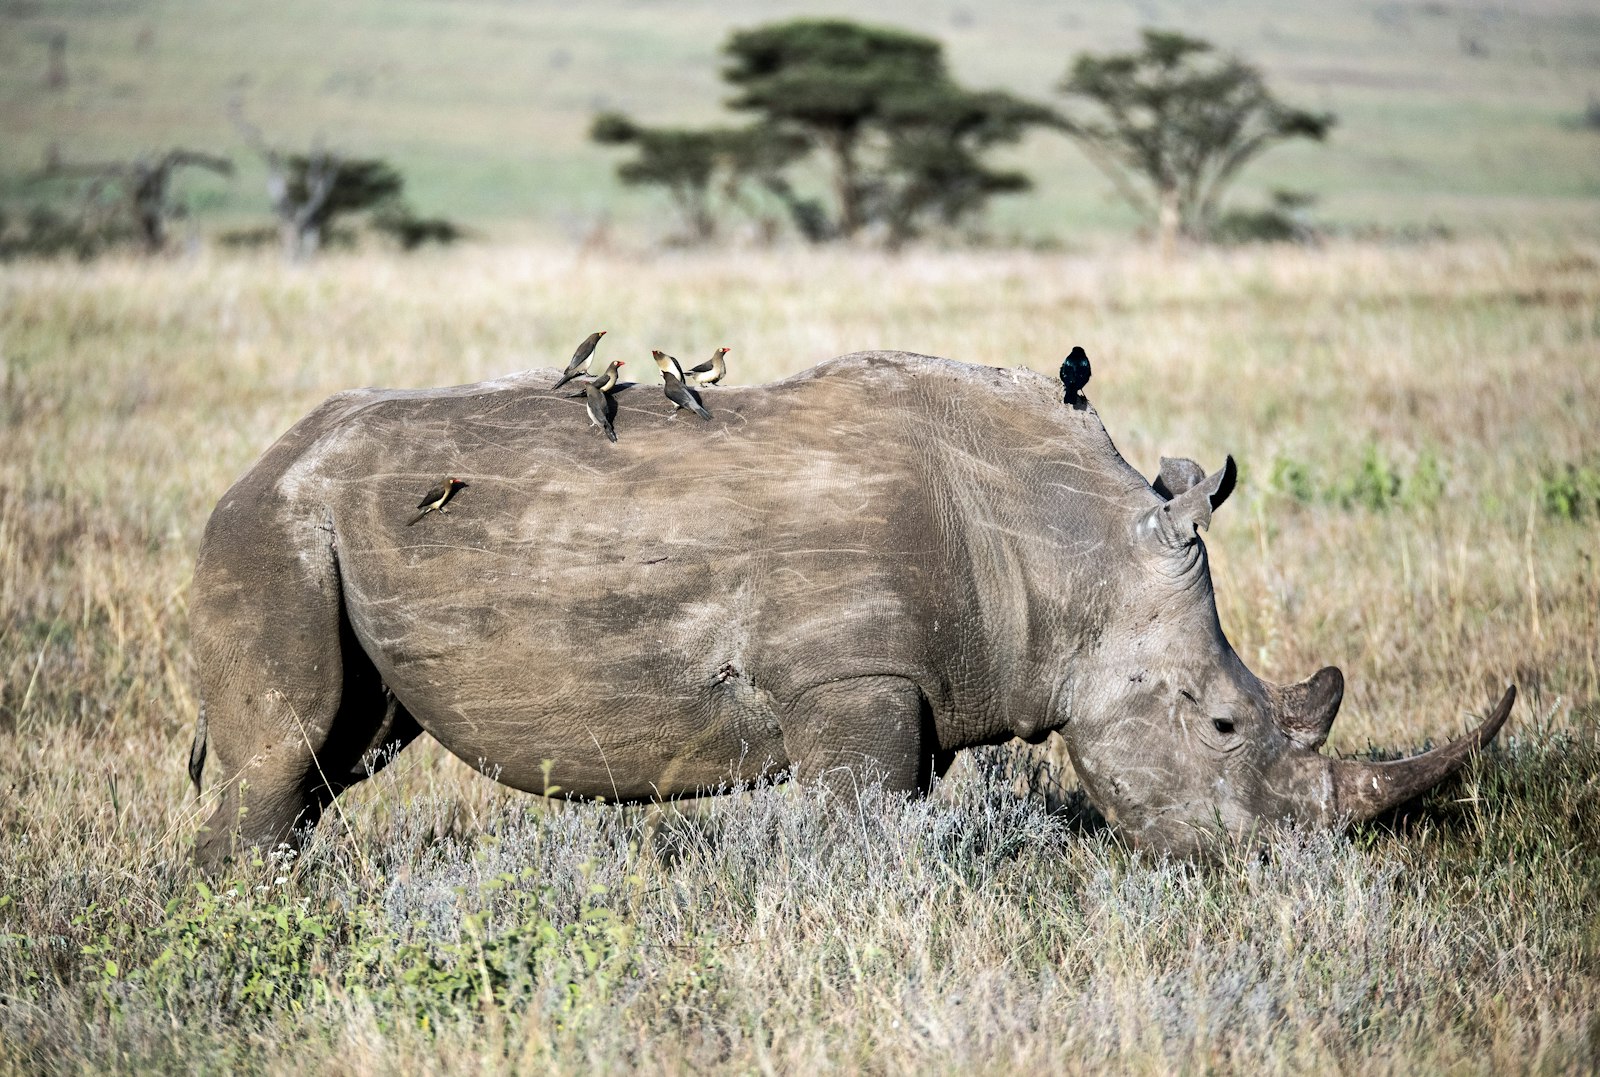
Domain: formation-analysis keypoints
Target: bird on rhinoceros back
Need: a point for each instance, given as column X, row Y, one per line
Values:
column 606, row 382
column 580, row 359
column 437, row 498
column 682, row 396
column 597, row 402
column 668, row 364
column 1074, row 376
column 709, row 372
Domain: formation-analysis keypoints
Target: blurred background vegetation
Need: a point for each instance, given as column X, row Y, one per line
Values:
column 1472, row 118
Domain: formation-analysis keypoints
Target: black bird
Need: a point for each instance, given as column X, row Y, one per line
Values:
column 580, row 359
column 1074, row 376
column 436, row 499
column 682, row 397
column 597, row 402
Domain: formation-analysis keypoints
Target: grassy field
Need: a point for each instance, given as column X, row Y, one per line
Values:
column 1419, row 432
column 1454, row 113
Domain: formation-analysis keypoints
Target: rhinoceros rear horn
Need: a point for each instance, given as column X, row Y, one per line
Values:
column 1306, row 711
column 1362, row 790
column 1178, row 522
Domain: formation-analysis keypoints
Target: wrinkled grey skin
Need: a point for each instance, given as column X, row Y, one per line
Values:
column 855, row 571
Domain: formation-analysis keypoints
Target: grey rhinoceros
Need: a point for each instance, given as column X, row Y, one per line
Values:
column 858, row 570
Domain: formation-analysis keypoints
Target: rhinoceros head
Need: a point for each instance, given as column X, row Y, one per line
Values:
column 1177, row 742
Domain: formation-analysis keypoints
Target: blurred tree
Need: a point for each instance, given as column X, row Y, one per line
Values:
column 902, row 139
column 140, row 189
column 933, row 167
column 695, row 166
column 310, row 191
column 396, row 219
column 1172, row 130
column 55, row 75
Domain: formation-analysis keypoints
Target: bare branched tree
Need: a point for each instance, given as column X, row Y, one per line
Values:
column 143, row 186
column 298, row 201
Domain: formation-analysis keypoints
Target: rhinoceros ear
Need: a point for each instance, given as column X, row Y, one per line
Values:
column 1177, row 475
column 1177, row 523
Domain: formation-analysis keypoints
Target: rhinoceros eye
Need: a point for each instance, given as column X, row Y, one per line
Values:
column 1222, row 725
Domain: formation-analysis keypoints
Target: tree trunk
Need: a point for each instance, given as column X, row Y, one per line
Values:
column 846, row 185
column 1168, row 221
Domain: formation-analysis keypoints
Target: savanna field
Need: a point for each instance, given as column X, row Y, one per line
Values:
column 1418, row 429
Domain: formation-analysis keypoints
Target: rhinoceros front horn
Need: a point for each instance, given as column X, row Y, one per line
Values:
column 1363, row 790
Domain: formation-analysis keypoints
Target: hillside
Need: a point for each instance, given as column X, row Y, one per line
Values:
column 1466, row 115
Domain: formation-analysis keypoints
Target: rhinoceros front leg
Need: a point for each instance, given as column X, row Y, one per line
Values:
column 863, row 729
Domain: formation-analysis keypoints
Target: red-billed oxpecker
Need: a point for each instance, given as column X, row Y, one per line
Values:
column 436, row 499
column 580, row 359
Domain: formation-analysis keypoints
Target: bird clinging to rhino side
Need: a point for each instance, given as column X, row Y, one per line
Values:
column 438, row 497
column 876, row 589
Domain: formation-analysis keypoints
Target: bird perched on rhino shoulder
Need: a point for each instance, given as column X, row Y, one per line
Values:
column 682, row 396
column 580, row 359
column 668, row 364
column 436, row 499
column 606, row 382
column 709, row 372
column 1074, row 376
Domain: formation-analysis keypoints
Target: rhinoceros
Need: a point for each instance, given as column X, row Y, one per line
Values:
column 849, row 574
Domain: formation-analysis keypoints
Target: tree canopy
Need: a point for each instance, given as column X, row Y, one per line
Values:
column 902, row 142
column 1173, row 123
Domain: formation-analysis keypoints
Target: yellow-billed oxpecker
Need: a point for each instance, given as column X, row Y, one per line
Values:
column 580, row 359
column 436, row 499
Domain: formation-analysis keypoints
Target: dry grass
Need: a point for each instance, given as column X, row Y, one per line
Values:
column 1400, row 415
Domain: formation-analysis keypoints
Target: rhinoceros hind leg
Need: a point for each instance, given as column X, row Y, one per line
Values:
column 289, row 728
column 864, row 729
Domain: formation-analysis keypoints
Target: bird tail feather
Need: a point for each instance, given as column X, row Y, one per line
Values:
column 419, row 516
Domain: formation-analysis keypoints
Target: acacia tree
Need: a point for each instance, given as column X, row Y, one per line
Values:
column 933, row 165
column 696, row 166
column 1172, row 124
column 903, row 141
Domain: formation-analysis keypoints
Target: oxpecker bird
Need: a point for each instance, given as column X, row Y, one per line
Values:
column 436, row 499
column 596, row 400
column 580, row 359
column 709, row 372
column 682, row 396
column 607, row 380
column 1074, row 376
column 668, row 364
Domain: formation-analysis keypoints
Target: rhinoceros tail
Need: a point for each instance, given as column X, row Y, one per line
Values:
column 197, row 751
